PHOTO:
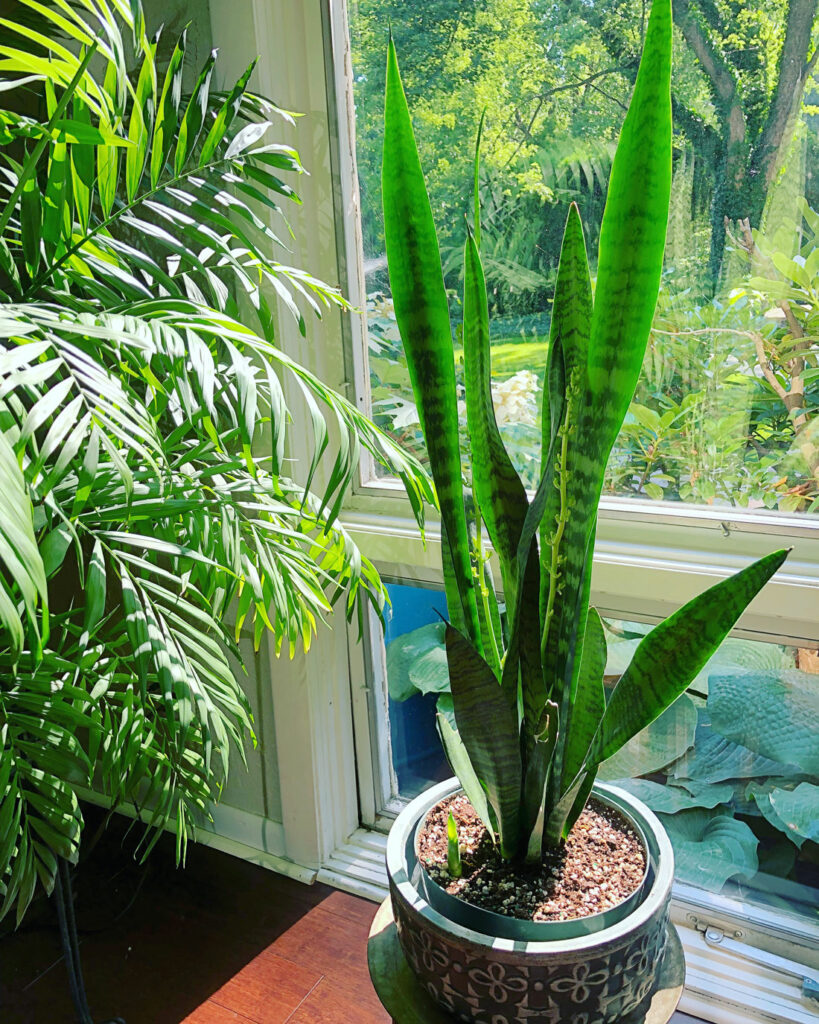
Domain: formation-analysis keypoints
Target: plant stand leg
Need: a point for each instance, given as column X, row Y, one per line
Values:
column 64, row 900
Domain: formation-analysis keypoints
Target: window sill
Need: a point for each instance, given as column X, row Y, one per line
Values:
column 721, row 987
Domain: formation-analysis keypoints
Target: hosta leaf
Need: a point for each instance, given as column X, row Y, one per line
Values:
column 671, row 799
column 710, row 847
column 776, row 716
column 416, row 662
column 793, row 811
column 661, row 743
column 716, row 759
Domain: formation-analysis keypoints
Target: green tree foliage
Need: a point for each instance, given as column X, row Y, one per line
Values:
column 554, row 80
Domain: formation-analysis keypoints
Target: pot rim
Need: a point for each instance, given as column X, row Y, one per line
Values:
column 541, row 931
column 659, row 849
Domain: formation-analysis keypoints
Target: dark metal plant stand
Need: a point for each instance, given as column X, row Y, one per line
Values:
column 64, row 901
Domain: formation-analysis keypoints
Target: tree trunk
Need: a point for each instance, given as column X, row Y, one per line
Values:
column 749, row 166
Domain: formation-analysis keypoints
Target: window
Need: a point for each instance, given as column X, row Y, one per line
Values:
column 724, row 415
column 718, row 460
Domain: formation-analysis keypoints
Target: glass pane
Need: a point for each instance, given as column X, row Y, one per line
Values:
column 416, row 673
column 725, row 413
column 732, row 768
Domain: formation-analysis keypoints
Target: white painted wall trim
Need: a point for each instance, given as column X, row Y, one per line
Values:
column 240, row 833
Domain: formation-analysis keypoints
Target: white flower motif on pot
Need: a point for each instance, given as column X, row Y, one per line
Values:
column 493, row 977
column 429, row 953
column 580, row 983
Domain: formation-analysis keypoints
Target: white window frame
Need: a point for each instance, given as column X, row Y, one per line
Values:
column 333, row 756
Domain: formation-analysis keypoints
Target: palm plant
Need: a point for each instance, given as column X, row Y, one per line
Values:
column 140, row 529
column 531, row 720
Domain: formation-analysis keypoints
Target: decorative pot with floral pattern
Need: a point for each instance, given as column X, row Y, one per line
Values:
column 483, row 979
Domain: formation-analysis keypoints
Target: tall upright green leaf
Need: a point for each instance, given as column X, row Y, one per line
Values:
column 499, row 493
column 488, row 727
column 108, row 155
column 632, row 233
column 632, row 242
column 589, row 704
column 23, row 577
column 672, row 654
column 83, row 171
column 422, row 313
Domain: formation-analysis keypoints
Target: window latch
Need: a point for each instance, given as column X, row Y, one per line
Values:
column 809, row 978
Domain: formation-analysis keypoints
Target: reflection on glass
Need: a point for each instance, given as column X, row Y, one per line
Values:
column 725, row 413
column 416, row 673
column 732, row 768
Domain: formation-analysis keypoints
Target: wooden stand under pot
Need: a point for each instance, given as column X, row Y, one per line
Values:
column 404, row 998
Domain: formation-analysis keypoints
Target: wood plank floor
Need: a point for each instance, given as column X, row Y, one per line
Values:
column 222, row 942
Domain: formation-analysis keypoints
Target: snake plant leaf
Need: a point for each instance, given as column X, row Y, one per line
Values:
column 422, row 313
column 488, row 727
column 589, row 704
column 632, row 234
column 572, row 312
column 476, row 194
column 535, row 777
column 632, row 242
column 672, row 654
column 459, row 761
column 499, row 493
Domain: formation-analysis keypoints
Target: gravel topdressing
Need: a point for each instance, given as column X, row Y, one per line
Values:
column 601, row 863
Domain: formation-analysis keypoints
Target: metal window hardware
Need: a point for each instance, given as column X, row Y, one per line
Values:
column 717, row 938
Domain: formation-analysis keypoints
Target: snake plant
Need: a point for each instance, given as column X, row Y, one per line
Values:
column 532, row 722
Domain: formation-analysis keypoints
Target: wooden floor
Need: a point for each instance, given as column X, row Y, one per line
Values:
column 222, row 942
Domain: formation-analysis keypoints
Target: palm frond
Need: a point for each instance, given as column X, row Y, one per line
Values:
column 141, row 533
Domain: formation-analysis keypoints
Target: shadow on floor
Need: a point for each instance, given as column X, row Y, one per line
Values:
column 220, row 942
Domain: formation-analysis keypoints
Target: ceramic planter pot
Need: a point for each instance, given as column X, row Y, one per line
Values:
column 594, row 977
